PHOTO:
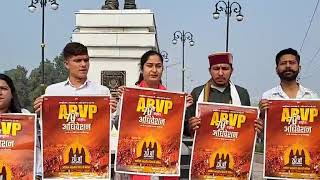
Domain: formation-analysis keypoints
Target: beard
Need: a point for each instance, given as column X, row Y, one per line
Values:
column 288, row 77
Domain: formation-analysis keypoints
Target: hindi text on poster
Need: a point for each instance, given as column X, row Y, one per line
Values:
column 150, row 132
column 292, row 139
column 76, row 137
column 224, row 144
column 17, row 146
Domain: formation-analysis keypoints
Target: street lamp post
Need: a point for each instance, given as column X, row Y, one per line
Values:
column 228, row 8
column 183, row 36
column 164, row 55
column 170, row 65
column 32, row 8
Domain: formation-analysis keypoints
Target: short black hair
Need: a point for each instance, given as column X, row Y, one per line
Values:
column 287, row 51
column 15, row 106
column 74, row 49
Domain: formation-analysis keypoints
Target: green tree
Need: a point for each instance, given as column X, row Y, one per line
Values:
column 19, row 77
column 29, row 88
column 35, row 79
column 54, row 72
column 62, row 72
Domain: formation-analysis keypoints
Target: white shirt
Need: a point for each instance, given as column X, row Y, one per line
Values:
column 278, row 93
column 65, row 88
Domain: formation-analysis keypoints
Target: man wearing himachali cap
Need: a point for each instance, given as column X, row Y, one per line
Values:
column 219, row 89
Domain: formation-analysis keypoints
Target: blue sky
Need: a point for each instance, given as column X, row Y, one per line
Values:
column 268, row 27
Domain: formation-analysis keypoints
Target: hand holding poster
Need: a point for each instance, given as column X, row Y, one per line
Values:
column 76, row 137
column 224, row 144
column 150, row 132
column 17, row 146
column 292, row 139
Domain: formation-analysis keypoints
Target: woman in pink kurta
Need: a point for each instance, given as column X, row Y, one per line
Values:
column 151, row 68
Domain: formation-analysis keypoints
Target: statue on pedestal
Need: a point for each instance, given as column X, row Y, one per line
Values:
column 114, row 4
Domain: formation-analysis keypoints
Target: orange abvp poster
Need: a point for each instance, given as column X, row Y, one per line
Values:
column 150, row 132
column 75, row 139
column 224, row 144
column 292, row 139
column 17, row 146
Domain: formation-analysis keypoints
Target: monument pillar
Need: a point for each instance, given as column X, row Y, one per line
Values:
column 116, row 39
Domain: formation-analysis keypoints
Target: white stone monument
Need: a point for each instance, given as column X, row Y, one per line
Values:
column 116, row 39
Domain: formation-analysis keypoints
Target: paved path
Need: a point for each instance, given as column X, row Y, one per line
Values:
column 257, row 167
